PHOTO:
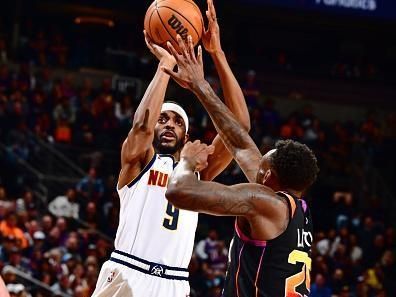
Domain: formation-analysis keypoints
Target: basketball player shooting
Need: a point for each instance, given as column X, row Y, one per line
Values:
column 270, row 250
column 154, row 240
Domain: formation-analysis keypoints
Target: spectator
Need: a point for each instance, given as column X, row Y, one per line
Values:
column 65, row 206
column 338, row 281
column 63, row 228
column 9, row 227
column 19, row 262
column 124, row 110
column 8, row 274
column 62, row 286
column 291, row 129
column 27, row 203
column 319, row 288
column 90, row 187
column 207, row 246
column 91, row 215
column 251, row 89
column 39, row 241
column 356, row 251
column 17, row 290
column 47, row 224
column 389, row 271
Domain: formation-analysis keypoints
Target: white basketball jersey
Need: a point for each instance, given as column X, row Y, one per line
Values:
column 149, row 226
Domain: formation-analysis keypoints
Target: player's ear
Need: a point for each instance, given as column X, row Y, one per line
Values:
column 267, row 176
column 186, row 138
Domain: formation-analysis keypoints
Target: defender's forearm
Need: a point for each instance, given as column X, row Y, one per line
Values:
column 233, row 134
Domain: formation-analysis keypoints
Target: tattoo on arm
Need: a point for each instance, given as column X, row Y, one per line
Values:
column 187, row 192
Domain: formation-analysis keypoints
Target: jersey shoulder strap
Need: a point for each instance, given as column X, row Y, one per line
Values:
column 291, row 203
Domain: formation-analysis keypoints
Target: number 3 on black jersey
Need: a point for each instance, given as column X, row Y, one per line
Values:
column 170, row 222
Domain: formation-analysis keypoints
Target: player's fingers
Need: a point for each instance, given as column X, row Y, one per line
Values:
column 176, row 77
column 212, row 10
column 146, row 36
column 210, row 149
column 147, row 40
column 203, row 166
column 183, row 48
column 170, row 72
column 174, row 53
column 209, row 17
column 155, row 48
column 199, row 55
column 191, row 48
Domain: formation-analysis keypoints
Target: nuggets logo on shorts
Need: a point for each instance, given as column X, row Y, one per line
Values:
column 157, row 270
column 111, row 277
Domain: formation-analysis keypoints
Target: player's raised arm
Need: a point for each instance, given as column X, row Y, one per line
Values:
column 137, row 149
column 190, row 75
column 258, row 203
column 232, row 92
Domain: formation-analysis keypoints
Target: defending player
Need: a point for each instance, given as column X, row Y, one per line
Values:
column 270, row 251
column 154, row 240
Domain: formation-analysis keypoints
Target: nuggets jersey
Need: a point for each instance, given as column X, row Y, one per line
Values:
column 149, row 226
column 274, row 268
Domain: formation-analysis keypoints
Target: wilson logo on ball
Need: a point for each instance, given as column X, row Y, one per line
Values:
column 177, row 25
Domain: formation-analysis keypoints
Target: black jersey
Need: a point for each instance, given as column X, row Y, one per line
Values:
column 275, row 268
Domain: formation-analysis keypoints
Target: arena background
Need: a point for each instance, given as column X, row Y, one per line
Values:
column 72, row 73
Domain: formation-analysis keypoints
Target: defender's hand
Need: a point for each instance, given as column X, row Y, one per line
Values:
column 161, row 54
column 196, row 154
column 190, row 67
column 211, row 36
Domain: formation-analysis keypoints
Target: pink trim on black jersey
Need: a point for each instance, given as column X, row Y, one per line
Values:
column 258, row 272
column 246, row 239
column 304, row 205
column 239, row 266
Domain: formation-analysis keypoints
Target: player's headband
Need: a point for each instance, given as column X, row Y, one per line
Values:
column 169, row 106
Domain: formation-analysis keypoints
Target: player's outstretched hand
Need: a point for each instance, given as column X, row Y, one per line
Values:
column 211, row 36
column 190, row 67
column 162, row 54
column 196, row 154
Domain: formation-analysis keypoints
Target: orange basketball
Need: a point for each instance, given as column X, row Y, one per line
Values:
column 166, row 18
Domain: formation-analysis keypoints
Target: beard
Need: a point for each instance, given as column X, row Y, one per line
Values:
column 167, row 148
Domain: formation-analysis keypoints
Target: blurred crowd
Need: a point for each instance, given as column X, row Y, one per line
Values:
column 64, row 242
column 354, row 246
column 64, row 44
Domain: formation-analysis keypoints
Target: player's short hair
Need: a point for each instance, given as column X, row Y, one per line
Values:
column 295, row 165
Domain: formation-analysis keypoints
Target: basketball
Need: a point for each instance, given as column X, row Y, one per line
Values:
column 166, row 18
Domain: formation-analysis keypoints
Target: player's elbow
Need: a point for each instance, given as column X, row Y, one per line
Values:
column 175, row 195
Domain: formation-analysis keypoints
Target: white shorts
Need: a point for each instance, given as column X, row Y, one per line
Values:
column 116, row 280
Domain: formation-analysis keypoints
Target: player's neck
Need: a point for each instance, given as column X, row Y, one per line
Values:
column 176, row 156
column 296, row 194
